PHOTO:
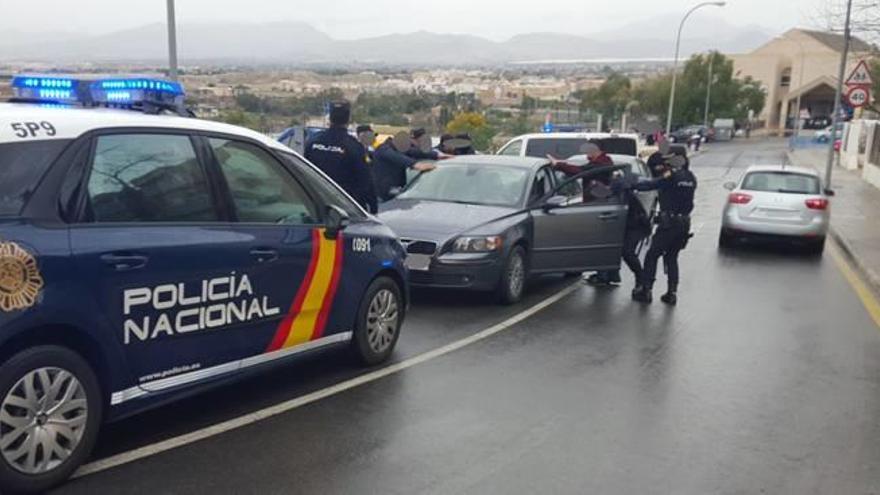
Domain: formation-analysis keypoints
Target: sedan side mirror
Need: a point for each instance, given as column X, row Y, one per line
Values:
column 336, row 220
column 829, row 192
column 730, row 186
column 554, row 202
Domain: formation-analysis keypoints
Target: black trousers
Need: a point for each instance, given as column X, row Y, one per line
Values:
column 631, row 240
column 668, row 240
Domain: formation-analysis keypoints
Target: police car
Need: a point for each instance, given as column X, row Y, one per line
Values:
column 144, row 255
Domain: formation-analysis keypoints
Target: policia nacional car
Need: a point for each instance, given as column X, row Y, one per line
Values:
column 143, row 255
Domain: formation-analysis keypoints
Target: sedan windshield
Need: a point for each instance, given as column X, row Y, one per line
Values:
column 471, row 183
column 784, row 182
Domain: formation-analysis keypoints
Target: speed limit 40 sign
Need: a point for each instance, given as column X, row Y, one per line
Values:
column 857, row 96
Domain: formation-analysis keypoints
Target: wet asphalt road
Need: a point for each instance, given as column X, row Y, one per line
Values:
column 765, row 379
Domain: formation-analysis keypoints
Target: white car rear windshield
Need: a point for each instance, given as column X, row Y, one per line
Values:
column 782, row 182
column 22, row 165
column 566, row 147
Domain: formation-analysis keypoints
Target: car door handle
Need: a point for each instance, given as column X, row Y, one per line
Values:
column 264, row 255
column 608, row 216
column 122, row 262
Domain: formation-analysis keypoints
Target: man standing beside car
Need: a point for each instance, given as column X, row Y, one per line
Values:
column 343, row 158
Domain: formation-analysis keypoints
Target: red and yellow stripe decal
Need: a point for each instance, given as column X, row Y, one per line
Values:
column 308, row 314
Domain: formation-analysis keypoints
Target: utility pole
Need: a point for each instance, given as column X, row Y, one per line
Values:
column 708, row 91
column 841, row 73
column 172, row 41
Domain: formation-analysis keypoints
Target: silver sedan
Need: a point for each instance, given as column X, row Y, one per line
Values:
column 777, row 202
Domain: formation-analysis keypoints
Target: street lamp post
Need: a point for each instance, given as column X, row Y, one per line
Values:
column 835, row 119
column 172, row 41
column 708, row 91
column 675, row 60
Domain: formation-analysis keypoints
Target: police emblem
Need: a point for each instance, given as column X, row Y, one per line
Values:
column 20, row 279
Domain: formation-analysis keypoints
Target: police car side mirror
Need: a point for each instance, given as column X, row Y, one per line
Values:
column 336, row 220
column 829, row 192
column 730, row 186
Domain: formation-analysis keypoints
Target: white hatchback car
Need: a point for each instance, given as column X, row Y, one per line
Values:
column 777, row 202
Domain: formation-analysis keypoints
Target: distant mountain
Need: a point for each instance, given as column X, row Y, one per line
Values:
column 299, row 43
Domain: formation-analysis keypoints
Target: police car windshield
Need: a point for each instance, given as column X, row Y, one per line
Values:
column 470, row 183
column 21, row 167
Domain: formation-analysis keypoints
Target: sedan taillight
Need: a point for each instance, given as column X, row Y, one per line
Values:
column 817, row 203
column 739, row 198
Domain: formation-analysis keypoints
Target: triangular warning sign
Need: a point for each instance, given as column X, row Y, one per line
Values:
column 860, row 76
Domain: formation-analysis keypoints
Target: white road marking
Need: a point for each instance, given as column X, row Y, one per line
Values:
column 250, row 418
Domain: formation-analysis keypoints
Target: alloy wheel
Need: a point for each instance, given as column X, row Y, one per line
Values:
column 42, row 420
column 382, row 320
column 516, row 275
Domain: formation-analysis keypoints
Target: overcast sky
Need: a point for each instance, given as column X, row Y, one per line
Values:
column 345, row 19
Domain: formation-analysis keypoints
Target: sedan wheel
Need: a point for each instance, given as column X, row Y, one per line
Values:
column 512, row 285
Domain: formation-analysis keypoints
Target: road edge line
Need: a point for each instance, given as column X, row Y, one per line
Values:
column 289, row 405
column 862, row 288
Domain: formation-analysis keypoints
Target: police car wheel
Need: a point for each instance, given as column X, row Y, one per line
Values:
column 514, row 274
column 50, row 413
column 379, row 320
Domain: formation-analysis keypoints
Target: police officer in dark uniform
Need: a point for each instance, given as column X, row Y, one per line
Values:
column 391, row 160
column 343, row 158
column 676, row 188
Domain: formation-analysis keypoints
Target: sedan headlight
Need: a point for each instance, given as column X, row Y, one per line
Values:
column 481, row 244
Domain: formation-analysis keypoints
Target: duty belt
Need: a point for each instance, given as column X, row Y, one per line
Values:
column 677, row 216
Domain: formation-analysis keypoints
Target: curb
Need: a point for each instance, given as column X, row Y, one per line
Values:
column 870, row 276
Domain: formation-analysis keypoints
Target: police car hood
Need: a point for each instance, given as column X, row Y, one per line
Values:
column 437, row 220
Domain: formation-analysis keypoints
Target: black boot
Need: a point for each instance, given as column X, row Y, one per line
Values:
column 613, row 277
column 643, row 295
column 670, row 298
column 598, row 279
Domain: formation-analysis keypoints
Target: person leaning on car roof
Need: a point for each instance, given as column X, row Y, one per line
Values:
column 391, row 161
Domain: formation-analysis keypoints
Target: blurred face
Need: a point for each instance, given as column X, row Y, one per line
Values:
column 367, row 138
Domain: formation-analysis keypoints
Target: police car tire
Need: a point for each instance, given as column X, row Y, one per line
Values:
column 360, row 340
column 504, row 292
column 13, row 481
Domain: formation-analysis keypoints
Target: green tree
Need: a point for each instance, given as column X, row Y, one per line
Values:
column 474, row 124
column 731, row 97
column 609, row 99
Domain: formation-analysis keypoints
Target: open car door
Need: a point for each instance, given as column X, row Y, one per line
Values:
column 578, row 231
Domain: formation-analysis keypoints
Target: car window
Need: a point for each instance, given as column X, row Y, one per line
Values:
column 148, row 178
column 784, row 182
column 542, row 185
column 328, row 192
column 262, row 190
column 567, row 147
column 572, row 189
column 21, row 167
column 512, row 149
column 556, row 147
